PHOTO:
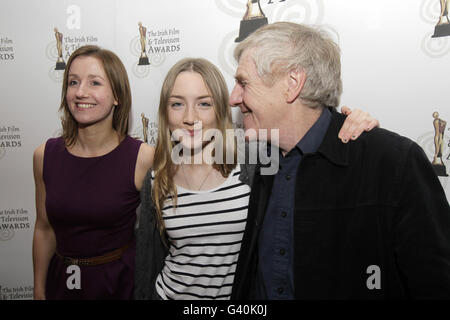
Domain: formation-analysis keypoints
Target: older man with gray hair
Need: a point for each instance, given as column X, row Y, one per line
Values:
column 367, row 219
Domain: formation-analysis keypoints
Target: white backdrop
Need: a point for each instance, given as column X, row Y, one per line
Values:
column 391, row 68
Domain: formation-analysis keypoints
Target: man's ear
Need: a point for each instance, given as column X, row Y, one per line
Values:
column 296, row 80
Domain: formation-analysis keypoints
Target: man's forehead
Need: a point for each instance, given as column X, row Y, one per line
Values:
column 240, row 74
column 246, row 63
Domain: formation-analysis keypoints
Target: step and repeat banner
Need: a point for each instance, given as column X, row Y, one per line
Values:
column 395, row 60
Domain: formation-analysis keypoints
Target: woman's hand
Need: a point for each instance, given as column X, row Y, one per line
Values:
column 356, row 122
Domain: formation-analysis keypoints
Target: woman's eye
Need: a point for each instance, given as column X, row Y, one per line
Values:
column 96, row 83
column 205, row 104
column 175, row 104
column 72, row 82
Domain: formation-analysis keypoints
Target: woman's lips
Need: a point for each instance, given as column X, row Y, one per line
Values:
column 192, row 132
column 85, row 105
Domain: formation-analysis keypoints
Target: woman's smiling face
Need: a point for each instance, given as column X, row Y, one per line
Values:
column 191, row 109
column 89, row 93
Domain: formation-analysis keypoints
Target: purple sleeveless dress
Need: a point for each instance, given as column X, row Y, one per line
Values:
column 91, row 204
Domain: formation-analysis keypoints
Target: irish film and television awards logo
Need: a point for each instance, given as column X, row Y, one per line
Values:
column 143, row 59
column 147, row 131
column 13, row 220
column 59, row 50
column 10, row 139
column 439, row 142
column 436, row 42
column 253, row 14
column 151, row 47
column 55, row 52
column 253, row 19
column 145, row 122
column 60, row 64
column 442, row 28
column 140, row 47
column 6, row 234
column 436, row 145
column 6, row 49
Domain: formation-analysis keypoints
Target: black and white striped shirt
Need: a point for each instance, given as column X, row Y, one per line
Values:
column 205, row 231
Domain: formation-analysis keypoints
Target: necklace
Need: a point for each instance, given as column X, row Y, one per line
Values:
column 187, row 182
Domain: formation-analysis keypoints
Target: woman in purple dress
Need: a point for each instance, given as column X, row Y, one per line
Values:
column 87, row 186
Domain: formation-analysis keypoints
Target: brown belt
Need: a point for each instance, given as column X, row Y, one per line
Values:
column 105, row 258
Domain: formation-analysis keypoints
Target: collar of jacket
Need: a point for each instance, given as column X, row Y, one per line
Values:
column 332, row 147
column 247, row 170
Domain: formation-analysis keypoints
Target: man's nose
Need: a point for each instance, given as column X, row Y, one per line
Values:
column 236, row 95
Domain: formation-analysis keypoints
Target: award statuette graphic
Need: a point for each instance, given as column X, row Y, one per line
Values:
column 439, row 128
column 60, row 64
column 144, row 127
column 252, row 20
column 442, row 28
column 143, row 59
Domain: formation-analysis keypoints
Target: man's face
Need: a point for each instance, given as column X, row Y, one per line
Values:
column 261, row 104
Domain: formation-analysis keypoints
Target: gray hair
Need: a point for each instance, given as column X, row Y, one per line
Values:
column 284, row 46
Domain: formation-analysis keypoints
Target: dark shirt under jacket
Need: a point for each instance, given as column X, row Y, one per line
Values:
column 275, row 276
column 371, row 221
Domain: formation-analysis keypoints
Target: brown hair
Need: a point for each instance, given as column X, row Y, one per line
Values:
column 163, row 185
column 118, row 79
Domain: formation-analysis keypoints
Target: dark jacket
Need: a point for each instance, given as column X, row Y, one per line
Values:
column 371, row 203
column 150, row 249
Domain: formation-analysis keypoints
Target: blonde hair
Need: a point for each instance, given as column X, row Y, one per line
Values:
column 164, row 169
column 284, row 46
column 118, row 79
